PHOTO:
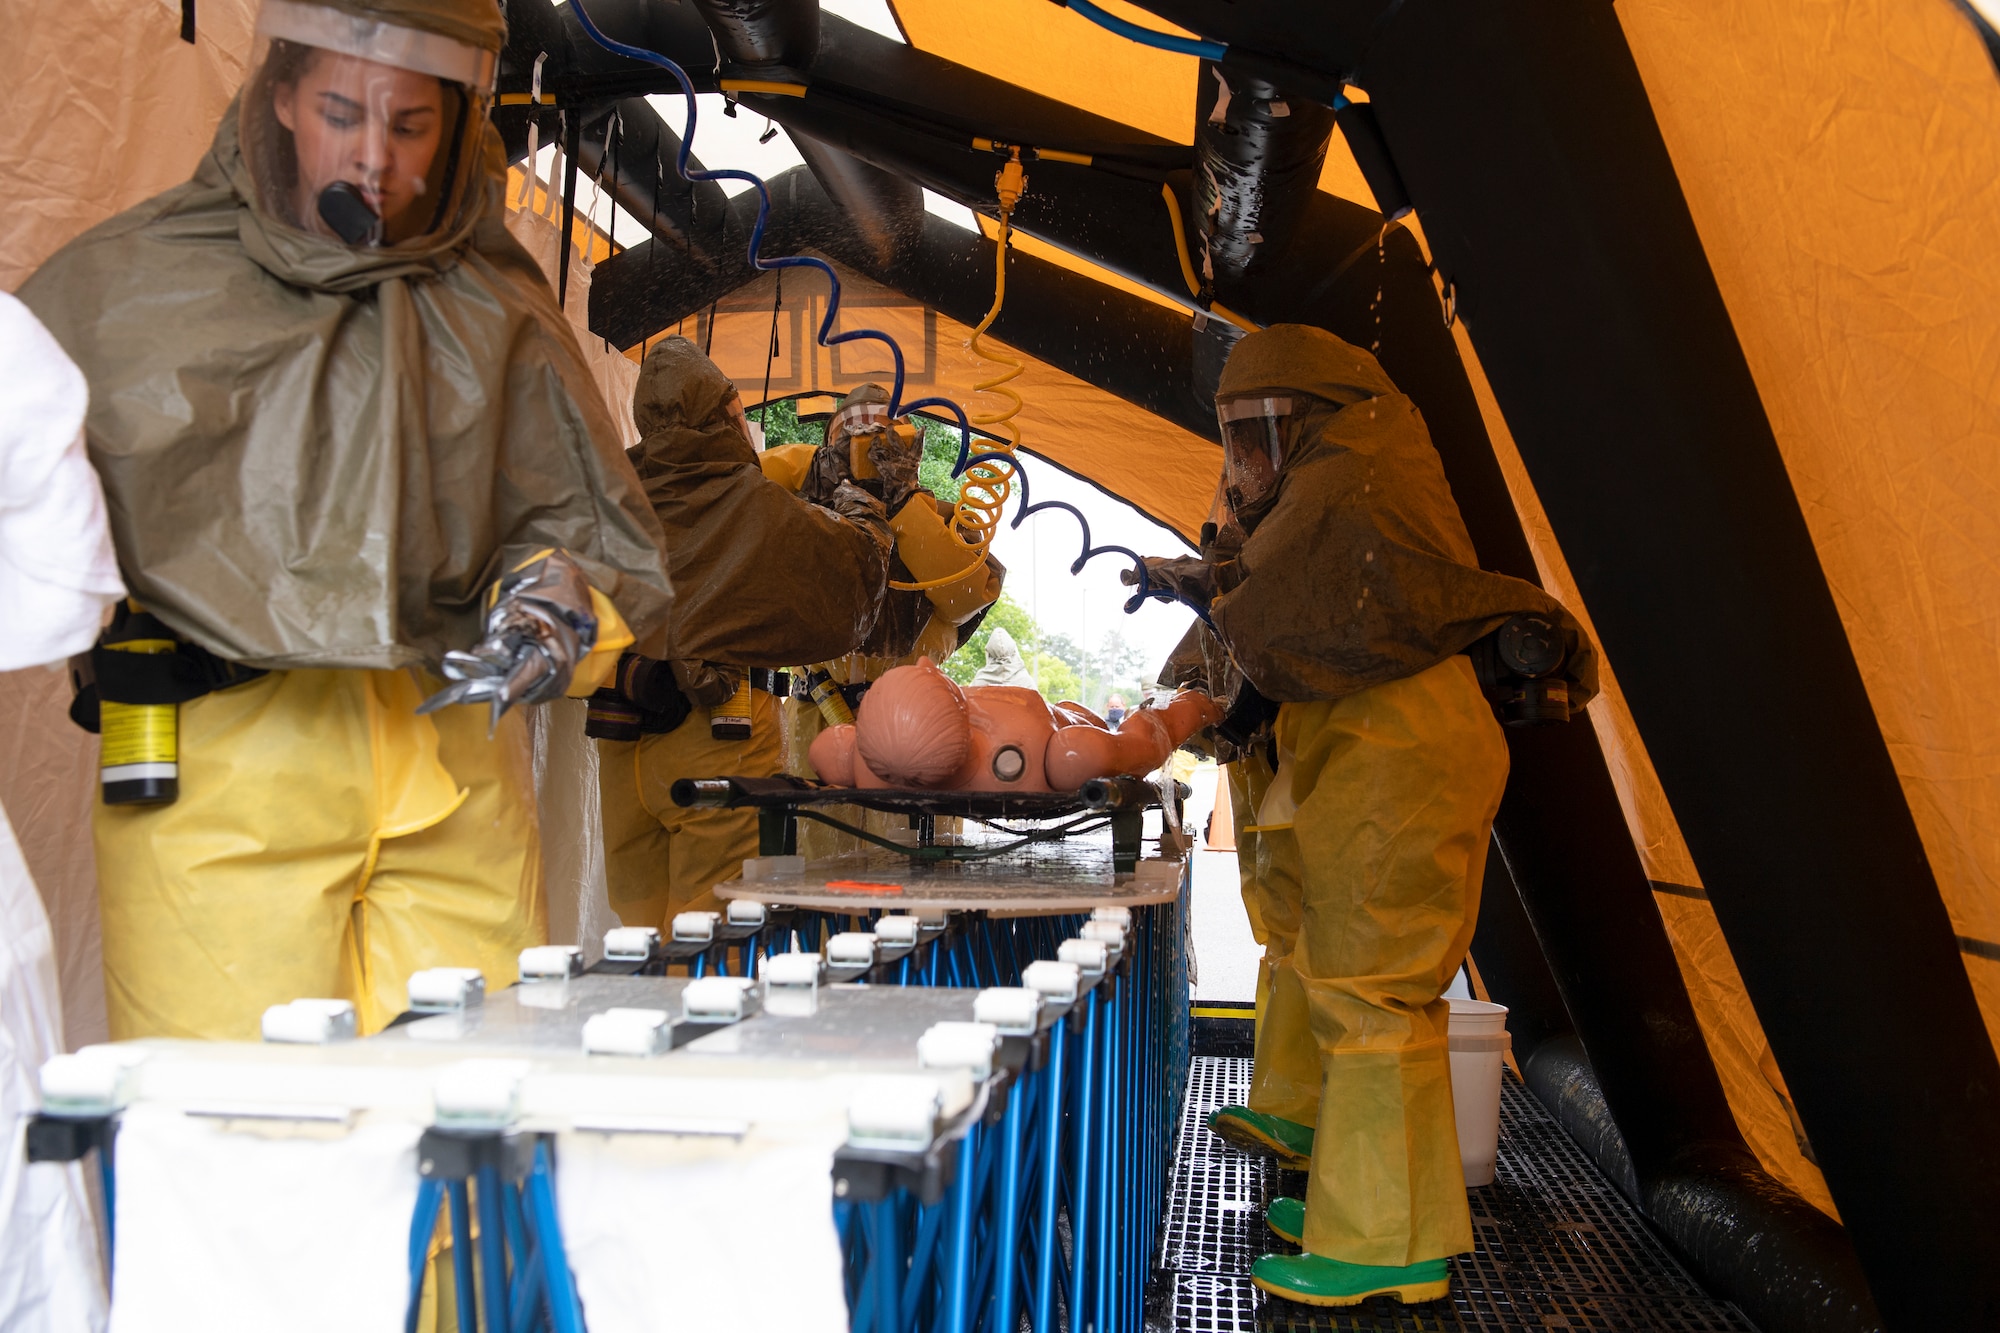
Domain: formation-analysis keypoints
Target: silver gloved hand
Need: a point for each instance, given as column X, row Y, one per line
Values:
column 540, row 627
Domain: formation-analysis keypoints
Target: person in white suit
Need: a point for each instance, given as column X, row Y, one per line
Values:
column 57, row 575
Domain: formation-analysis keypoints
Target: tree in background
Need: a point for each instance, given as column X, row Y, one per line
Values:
column 1054, row 677
column 1118, row 667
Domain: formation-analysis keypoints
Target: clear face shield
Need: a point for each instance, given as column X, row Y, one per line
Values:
column 1253, row 448
column 361, row 130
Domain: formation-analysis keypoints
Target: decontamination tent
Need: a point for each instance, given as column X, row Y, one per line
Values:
column 1719, row 288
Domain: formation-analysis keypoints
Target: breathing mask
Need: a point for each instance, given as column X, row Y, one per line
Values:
column 1520, row 669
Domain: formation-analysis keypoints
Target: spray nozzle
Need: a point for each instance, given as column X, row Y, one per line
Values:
column 1011, row 182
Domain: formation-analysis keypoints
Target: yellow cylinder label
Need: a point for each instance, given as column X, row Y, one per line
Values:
column 832, row 704
column 138, row 734
column 737, row 704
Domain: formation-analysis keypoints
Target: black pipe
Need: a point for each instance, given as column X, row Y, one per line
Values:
column 1255, row 169
column 1784, row 1262
column 779, row 40
column 1527, row 140
column 764, row 39
column 1371, row 154
column 1129, row 346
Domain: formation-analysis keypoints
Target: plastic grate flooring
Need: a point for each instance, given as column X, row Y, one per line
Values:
column 1556, row 1245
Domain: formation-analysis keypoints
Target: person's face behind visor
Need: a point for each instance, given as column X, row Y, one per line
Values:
column 374, row 126
column 1253, row 450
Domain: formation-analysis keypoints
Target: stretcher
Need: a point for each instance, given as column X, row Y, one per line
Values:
column 970, row 1121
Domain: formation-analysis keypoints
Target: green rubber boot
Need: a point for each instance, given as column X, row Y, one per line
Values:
column 1287, row 1219
column 1311, row 1279
column 1287, row 1140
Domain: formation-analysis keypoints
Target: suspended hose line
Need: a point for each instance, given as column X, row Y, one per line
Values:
column 987, row 472
column 1215, row 308
column 1164, row 41
column 990, row 474
column 827, row 337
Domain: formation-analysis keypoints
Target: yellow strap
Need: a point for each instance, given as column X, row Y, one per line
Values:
column 614, row 636
column 762, row 86
column 1187, row 265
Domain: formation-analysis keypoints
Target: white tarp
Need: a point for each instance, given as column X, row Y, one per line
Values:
column 705, row 1234
column 253, row 1225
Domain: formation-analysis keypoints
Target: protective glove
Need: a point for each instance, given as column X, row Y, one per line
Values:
column 856, row 505
column 867, row 513
column 1185, row 578
column 896, row 457
column 540, row 627
column 829, row 471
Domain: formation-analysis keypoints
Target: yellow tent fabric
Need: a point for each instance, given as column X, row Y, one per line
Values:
column 1756, row 1090
column 1166, row 472
column 1842, row 162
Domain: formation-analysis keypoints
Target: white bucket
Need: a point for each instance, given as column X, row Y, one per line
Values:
column 1478, row 1041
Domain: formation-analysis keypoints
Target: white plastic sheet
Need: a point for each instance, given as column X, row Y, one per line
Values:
column 704, row 1234
column 256, row 1225
column 49, row 1277
column 572, row 826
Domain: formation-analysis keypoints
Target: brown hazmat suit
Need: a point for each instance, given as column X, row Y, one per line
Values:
column 763, row 579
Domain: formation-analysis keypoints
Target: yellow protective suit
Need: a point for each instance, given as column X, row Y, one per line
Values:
column 327, row 842
column 1394, row 790
column 659, row 859
column 1274, row 917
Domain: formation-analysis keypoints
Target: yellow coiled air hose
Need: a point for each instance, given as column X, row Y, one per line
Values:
column 988, row 479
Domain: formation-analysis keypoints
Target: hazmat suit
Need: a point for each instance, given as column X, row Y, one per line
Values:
column 1351, row 601
column 343, row 432
column 57, row 574
column 765, row 579
column 915, row 622
column 1003, row 662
